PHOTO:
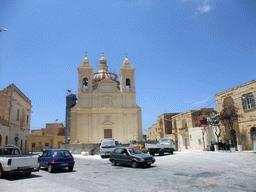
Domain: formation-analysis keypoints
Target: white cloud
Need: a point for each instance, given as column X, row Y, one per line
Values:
column 203, row 6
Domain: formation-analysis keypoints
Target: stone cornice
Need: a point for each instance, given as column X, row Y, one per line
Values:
column 234, row 88
column 16, row 89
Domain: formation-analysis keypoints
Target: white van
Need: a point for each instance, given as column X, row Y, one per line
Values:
column 107, row 146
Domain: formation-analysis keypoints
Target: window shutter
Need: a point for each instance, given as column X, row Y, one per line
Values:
column 244, row 102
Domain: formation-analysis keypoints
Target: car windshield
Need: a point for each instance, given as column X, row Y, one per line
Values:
column 110, row 143
column 164, row 141
column 134, row 150
column 62, row 154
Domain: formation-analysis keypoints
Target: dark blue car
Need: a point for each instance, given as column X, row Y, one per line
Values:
column 57, row 158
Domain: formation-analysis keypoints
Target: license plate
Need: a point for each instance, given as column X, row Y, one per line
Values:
column 149, row 162
column 64, row 164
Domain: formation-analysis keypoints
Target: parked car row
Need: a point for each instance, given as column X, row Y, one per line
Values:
column 136, row 154
column 12, row 161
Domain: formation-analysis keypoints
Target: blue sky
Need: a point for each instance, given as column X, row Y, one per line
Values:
column 184, row 51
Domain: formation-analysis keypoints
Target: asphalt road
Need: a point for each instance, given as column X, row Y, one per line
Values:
column 183, row 171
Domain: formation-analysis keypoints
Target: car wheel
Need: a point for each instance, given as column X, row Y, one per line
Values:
column 70, row 168
column 2, row 173
column 113, row 162
column 161, row 152
column 134, row 164
column 148, row 165
column 50, row 169
column 151, row 153
column 102, row 156
column 171, row 151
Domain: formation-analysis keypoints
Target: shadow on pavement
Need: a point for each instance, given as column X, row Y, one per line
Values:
column 130, row 167
column 58, row 170
column 20, row 176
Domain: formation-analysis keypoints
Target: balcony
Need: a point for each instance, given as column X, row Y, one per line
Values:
column 23, row 124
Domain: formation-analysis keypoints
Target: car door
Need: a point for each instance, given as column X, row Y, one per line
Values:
column 43, row 159
column 117, row 155
column 48, row 158
column 125, row 156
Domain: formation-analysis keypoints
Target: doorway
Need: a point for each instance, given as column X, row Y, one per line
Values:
column 253, row 133
column 186, row 144
column 233, row 138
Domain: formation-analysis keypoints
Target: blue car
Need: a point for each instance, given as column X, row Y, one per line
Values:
column 57, row 158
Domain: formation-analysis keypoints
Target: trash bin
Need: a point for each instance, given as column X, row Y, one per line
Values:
column 92, row 152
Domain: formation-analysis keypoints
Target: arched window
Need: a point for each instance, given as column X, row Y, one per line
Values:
column 128, row 83
column 6, row 140
column 85, row 83
column 228, row 101
column 0, row 140
column 27, row 118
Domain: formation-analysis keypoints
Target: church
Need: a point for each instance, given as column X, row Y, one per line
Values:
column 106, row 107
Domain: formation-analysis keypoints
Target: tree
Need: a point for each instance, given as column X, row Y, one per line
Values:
column 215, row 124
column 202, row 122
column 228, row 116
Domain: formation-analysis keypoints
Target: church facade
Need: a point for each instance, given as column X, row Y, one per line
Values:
column 106, row 107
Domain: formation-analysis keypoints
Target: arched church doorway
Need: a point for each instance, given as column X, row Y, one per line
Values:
column 253, row 134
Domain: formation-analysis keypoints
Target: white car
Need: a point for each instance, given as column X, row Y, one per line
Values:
column 12, row 161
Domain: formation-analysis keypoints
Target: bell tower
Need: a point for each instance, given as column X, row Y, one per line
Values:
column 85, row 73
column 126, row 74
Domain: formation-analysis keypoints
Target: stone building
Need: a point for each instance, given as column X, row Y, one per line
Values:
column 106, row 107
column 243, row 98
column 53, row 135
column 163, row 128
column 180, row 127
column 15, row 114
column 189, row 136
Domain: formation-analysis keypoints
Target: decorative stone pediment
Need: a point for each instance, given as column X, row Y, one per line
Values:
column 107, row 86
column 107, row 120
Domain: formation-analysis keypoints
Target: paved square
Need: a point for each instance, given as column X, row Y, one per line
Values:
column 183, row 171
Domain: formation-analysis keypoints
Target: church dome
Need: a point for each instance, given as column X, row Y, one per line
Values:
column 102, row 75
